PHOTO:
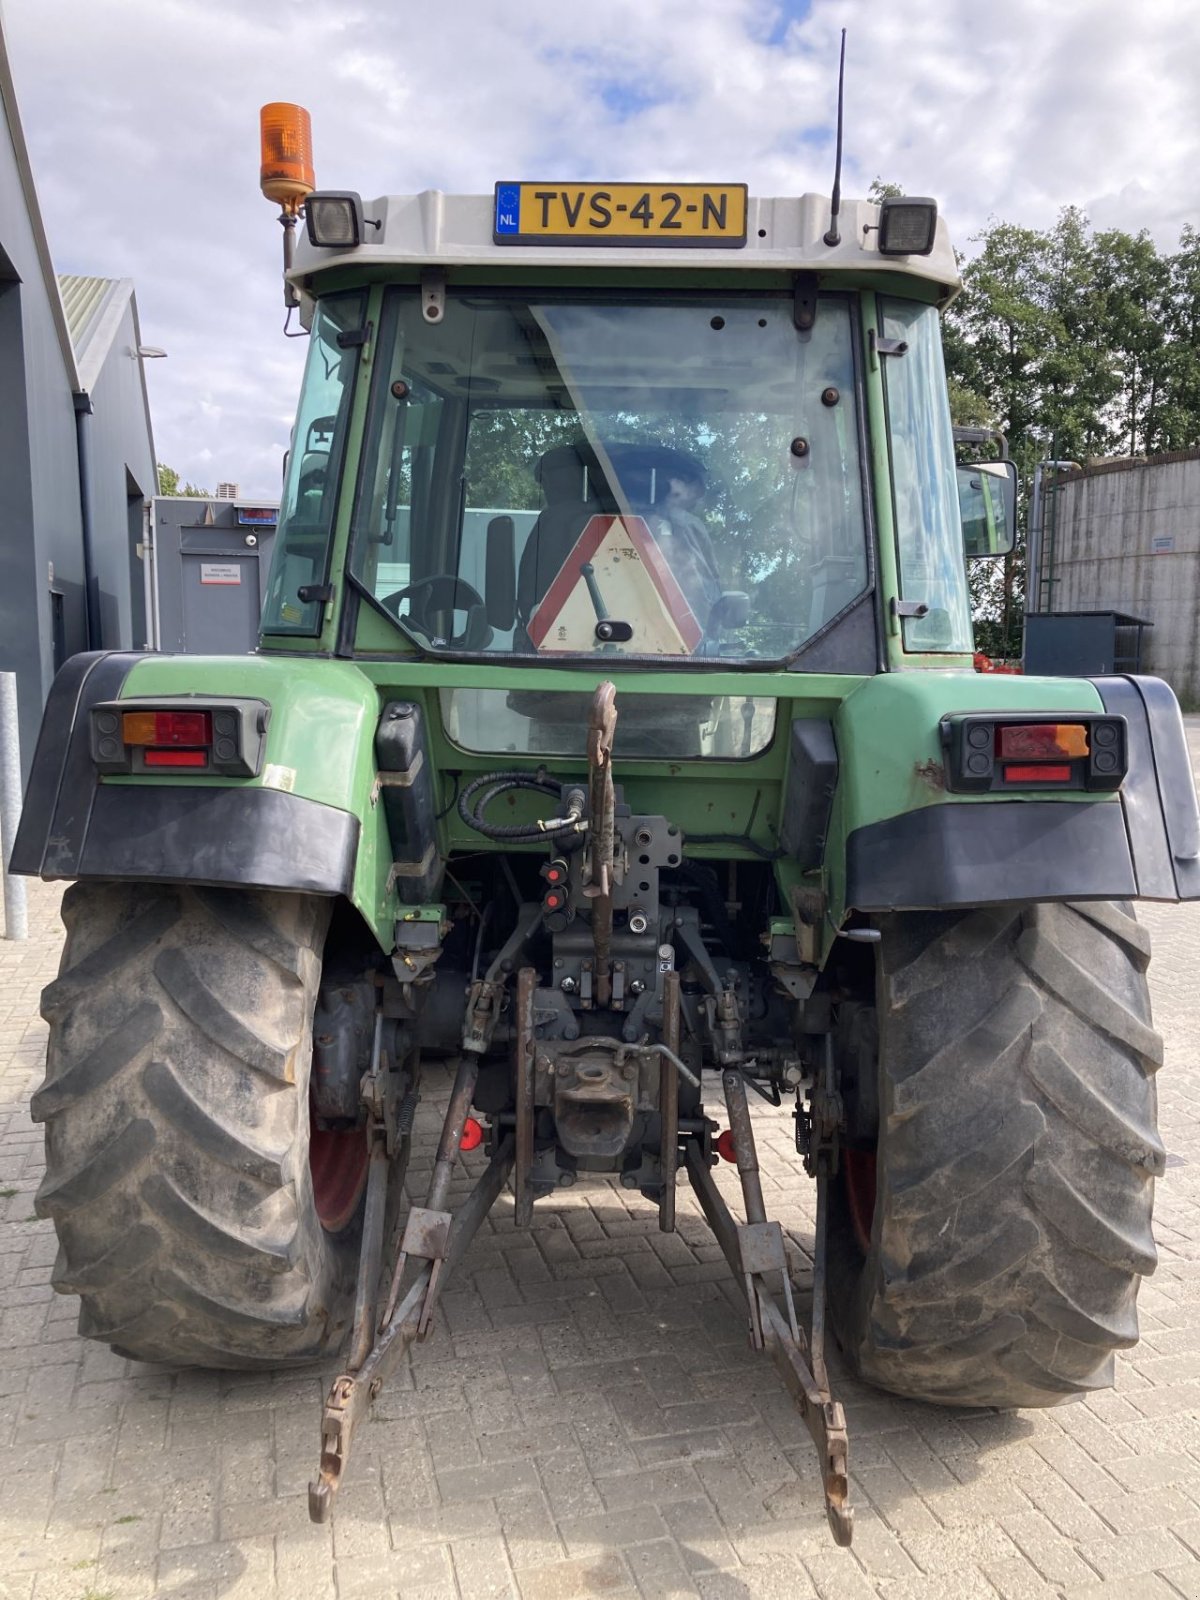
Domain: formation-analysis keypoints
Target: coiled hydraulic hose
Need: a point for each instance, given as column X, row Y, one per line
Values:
column 494, row 784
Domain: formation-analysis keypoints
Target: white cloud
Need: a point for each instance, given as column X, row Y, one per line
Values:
column 141, row 116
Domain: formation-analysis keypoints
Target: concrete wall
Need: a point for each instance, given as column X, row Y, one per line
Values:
column 1127, row 538
column 39, row 474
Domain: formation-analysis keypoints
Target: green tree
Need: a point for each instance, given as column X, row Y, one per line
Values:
column 504, row 448
column 1133, row 287
column 1178, row 414
column 994, row 336
column 1076, row 343
column 168, row 484
column 1073, row 344
column 1024, row 340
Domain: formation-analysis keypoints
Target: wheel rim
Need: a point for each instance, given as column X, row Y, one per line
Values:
column 337, row 1161
column 858, row 1170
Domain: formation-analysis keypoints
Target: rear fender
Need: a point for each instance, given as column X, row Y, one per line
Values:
column 307, row 822
column 899, row 841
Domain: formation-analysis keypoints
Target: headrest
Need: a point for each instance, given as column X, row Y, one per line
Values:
column 561, row 473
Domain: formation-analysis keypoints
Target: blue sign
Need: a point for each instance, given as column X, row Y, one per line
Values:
column 508, row 208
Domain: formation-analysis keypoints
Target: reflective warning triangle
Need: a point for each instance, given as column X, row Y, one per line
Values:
column 635, row 585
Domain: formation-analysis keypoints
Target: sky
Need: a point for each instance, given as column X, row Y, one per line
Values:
column 141, row 118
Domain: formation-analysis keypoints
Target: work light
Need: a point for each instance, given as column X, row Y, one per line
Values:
column 335, row 219
column 907, row 226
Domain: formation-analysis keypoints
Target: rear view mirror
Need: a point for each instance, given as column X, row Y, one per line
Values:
column 320, row 432
column 987, row 501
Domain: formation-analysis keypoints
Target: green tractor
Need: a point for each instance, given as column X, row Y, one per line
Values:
column 613, row 720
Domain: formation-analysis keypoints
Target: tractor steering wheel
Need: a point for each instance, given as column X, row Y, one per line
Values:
column 443, row 592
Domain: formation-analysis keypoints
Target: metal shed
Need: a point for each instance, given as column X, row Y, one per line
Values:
column 1124, row 537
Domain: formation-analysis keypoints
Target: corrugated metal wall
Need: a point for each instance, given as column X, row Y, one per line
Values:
column 1127, row 538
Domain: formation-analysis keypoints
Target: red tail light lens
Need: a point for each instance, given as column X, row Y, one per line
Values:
column 1042, row 741
column 176, row 758
column 167, row 728
column 1042, row 773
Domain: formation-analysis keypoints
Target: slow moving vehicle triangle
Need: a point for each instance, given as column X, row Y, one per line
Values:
column 629, row 580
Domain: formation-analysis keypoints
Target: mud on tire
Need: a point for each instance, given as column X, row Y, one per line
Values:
column 1016, row 1157
column 177, row 1126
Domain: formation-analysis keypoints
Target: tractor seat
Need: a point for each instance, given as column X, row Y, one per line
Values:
column 575, row 490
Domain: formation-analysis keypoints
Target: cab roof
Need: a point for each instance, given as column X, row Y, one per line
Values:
column 783, row 234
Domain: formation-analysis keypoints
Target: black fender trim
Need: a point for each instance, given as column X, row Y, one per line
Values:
column 254, row 838
column 989, row 853
column 1158, row 794
column 73, row 825
column 63, row 780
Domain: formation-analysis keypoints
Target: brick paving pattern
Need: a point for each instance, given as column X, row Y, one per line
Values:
column 587, row 1419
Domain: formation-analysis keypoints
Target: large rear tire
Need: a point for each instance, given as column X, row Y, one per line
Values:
column 1013, row 1177
column 176, row 1111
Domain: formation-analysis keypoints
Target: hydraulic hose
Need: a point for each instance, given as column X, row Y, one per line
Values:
column 494, row 784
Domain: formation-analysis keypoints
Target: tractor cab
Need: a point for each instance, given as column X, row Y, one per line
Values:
column 644, row 447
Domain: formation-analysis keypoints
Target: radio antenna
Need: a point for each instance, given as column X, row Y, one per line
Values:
column 833, row 236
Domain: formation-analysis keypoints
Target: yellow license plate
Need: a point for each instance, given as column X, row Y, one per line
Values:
column 690, row 214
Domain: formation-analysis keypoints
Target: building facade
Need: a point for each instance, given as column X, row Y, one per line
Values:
column 77, row 458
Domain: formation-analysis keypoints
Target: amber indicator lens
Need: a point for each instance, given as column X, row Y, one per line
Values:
column 168, row 728
column 1042, row 772
column 1042, row 741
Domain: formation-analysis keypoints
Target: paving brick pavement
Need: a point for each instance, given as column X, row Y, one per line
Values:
column 587, row 1419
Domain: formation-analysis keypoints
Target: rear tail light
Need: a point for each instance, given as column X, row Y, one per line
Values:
column 1041, row 741
column 1000, row 751
column 167, row 727
column 222, row 737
